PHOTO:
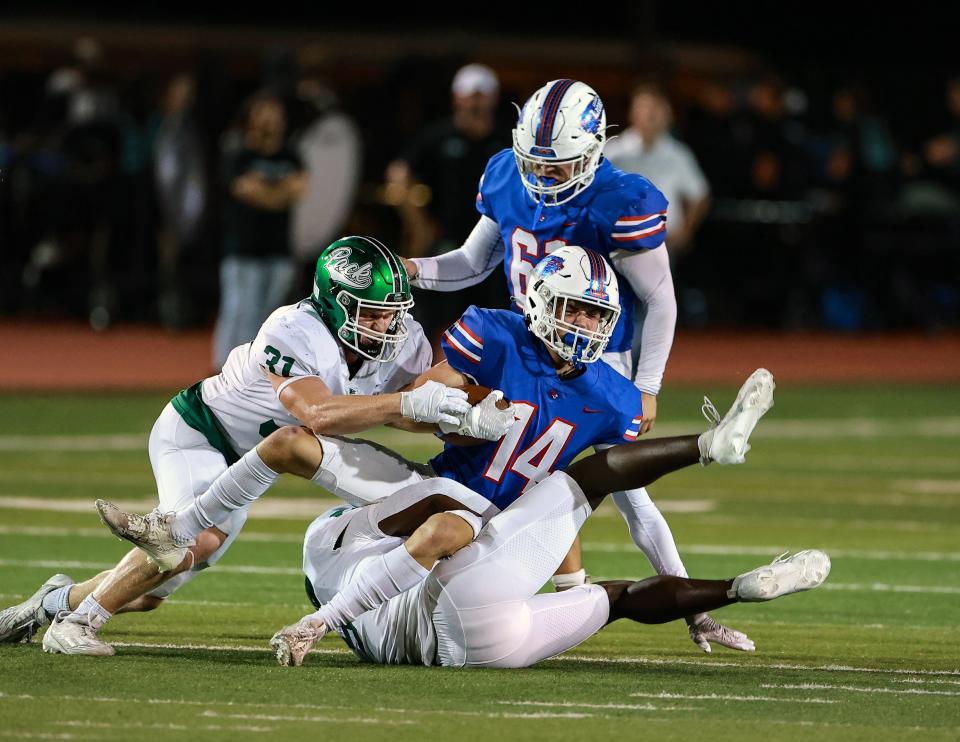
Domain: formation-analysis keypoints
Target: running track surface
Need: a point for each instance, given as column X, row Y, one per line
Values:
column 70, row 356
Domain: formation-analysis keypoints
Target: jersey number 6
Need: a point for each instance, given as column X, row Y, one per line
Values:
column 527, row 251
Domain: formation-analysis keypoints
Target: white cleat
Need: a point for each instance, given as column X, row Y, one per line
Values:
column 150, row 533
column 74, row 637
column 727, row 443
column 20, row 622
column 292, row 643
column 804, row 570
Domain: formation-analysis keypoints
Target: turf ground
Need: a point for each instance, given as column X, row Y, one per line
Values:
column 872, row 475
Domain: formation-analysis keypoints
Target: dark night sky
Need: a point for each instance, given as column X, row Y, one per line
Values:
column 799, row 32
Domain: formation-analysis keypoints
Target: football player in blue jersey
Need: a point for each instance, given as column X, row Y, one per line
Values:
column 553, row 188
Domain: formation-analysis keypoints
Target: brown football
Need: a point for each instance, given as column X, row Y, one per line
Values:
column 477, row 393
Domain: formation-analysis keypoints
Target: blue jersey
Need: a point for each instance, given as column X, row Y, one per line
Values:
column 556, row 419
column 618, row 211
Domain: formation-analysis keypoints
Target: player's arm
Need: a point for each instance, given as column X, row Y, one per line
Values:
column 469, row 264
column 442, row 373
column 325, row 413
column 648, row 272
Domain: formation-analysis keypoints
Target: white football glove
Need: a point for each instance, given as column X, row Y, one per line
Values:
column 484, row 420
column 434, row 403
column 705, row 629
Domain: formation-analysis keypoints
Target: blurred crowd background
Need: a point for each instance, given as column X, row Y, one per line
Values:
column 803, row 196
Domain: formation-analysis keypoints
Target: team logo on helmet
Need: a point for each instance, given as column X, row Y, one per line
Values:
column 591, row 116
column 550, row 265
column 340, row 268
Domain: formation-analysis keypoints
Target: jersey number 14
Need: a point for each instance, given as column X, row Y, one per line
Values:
column 537, row 460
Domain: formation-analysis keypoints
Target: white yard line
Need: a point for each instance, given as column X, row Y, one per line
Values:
column 848, row 427
column 81, row 723
column 221, row 648
column 229, row 568
column 617, row 706
column 235, row 709
column 765, row 666
column 879, row 587
column 44, row 735
column 725, row 697
column 772, row 551
column 859, row 524
column 857, row 689
column 312, row 719
column 628, row 548
column 83, row 443
column 102, row 532
column 267, row 507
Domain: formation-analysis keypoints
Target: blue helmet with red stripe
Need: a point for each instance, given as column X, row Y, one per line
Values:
column 558, row 140
column 569, row 281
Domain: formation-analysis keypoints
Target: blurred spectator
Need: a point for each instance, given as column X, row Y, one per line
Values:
column 330, row 146
column 853, row 163
column 777, row 162
column 720, row 137
column 934, row 189
column 434, row 185
column 181, row 187
column 264, row 178
column 648, row 148
column 942, row 152
column 79, row 192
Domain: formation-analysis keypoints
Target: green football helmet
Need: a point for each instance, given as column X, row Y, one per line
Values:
column 356, row 274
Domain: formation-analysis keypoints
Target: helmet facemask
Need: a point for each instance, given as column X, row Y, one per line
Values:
column 567, row 340
column 554, row 193
column 386, row 345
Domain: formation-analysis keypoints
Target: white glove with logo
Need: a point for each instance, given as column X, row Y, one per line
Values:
column 434, row 403
column 484, row 420
column 705, row 629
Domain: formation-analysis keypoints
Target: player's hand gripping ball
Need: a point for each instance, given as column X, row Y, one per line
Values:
column 484, row 422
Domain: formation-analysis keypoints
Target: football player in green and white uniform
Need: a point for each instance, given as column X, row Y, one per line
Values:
column 337, row 362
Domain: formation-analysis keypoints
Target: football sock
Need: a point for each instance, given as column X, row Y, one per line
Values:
column 57, row 600
column 238, row 486
column 650, row 532
column 91, row 612
column 570, row 579
column 382, row 579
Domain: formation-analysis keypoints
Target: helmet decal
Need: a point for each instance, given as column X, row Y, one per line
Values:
column 591, row 116
column 352, row 274
column 549, row 266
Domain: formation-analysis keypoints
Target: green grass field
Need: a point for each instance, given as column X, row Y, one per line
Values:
column 872, row 475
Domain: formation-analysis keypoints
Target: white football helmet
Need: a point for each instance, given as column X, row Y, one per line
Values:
column 563, row 123
column 565, row 275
